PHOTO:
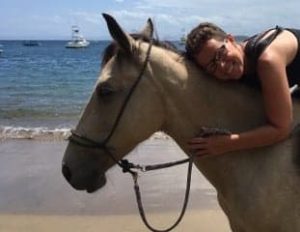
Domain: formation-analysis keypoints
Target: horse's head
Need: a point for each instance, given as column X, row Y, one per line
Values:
column 102, row 130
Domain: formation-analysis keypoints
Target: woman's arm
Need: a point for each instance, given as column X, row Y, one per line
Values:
column 275, row 90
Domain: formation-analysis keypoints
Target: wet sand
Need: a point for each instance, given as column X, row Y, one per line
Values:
column 35, row 197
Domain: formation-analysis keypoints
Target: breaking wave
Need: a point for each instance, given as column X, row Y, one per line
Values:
column 44, row 133
column 38, row 133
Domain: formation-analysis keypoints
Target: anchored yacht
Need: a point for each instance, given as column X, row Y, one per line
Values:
column 78, row 41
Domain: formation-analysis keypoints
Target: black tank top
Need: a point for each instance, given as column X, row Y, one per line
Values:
column 255, row 47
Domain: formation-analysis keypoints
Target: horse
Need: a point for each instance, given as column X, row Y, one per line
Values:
column 258, row 189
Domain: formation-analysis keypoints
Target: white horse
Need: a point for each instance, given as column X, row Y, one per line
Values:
column 258, row 189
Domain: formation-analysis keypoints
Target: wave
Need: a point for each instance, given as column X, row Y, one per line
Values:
column 47, row 134
column 37, row 133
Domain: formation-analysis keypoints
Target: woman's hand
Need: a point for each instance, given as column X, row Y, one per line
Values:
column 212, row 145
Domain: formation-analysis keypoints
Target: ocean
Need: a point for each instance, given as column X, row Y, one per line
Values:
column 43, row 89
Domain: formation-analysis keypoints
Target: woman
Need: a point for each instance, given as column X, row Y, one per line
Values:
column 270, row 60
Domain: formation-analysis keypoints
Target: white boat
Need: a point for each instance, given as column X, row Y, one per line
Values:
column 1, row 50
column 78, row 41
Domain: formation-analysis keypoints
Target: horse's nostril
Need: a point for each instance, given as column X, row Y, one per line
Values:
column 67, row 173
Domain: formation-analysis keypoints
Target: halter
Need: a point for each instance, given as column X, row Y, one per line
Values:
column 129, row 167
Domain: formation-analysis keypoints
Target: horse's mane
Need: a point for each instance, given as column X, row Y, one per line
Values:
column 112, row 49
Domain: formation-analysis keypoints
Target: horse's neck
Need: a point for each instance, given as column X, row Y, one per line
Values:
column 194, row 100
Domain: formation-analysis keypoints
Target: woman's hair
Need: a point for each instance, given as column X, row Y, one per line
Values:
column 200, row 35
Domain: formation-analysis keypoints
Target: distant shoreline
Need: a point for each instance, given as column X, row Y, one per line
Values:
column 238, row 37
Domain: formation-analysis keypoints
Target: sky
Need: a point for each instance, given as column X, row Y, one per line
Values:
column 52, row 19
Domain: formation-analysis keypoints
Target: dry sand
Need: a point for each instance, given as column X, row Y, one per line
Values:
column 35, row 197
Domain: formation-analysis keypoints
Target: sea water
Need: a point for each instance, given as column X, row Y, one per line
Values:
column 43, row 89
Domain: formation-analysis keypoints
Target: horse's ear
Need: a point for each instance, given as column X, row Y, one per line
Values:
column 148, row 29
column 123, row 39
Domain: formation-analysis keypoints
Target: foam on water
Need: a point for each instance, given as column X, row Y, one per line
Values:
column 38, row 133
column 44, row 133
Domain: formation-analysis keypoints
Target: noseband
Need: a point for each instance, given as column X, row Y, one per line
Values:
column 126, row 166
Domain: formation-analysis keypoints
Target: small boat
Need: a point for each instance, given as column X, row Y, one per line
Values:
column 78, row 41
column 31, row 43
column 1, row 50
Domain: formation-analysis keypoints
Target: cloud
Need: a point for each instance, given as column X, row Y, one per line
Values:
column 236, row 16
column 171, row 17
column 193, row 4
column 55, row 19
column 84, row 16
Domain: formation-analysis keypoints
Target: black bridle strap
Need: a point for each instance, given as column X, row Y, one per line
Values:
column 91, row 144
column 84, row 141
column 164, row 165
column 124, row 163
column 135, row 84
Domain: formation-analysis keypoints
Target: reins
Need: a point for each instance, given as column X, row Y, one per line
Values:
column 129, row 167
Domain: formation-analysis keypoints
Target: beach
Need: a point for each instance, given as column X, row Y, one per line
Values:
column 35, row 197
column 194, row 221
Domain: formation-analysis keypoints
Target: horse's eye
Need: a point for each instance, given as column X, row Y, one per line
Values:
column 104, row 90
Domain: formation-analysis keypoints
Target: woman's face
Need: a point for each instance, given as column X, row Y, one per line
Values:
column 222, row 59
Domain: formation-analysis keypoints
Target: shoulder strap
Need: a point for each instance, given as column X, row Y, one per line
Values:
column 256, row 45
column 263, row 44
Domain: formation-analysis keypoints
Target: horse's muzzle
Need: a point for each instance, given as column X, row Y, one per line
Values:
column 90, row 182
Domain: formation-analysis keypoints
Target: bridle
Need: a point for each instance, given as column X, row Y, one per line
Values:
column 125, row 165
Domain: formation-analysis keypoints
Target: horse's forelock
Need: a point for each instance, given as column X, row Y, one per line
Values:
column 109, row 52
column 112, row 49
